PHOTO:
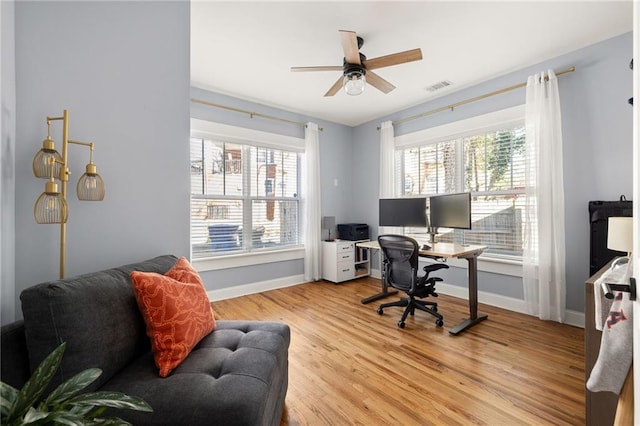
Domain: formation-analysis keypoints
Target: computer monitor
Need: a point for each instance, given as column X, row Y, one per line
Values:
column 450, row 211
column 403, row 212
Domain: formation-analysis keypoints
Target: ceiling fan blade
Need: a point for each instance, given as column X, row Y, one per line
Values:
column 378, row 82
column 350, row 46
column 321, row 68
column 393, row 59
column 335, row 88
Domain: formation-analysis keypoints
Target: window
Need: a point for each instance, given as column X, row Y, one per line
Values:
column 244, row 196
column 486, row 160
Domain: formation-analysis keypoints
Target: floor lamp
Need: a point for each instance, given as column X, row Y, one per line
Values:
column 51, row 207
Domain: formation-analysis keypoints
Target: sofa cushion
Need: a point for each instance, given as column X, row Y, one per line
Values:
column 237, row 375
column 176, row 310
column 96, row 314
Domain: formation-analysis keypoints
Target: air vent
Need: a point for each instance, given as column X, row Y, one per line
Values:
column 439, row 85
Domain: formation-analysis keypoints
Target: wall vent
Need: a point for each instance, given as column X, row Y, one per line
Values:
column 439, row 85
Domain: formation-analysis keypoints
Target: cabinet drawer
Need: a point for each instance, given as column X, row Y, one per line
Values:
column 343, row 248
column 346, row 271
column 344, row 256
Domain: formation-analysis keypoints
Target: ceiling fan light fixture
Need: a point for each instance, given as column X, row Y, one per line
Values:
column 354, row 83
column 355, row 65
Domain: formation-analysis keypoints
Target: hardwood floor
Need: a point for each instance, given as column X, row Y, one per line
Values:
column 350, row 366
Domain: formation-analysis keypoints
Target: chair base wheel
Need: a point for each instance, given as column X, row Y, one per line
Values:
column 439, row 322
column 379, row 311
column 401, row 324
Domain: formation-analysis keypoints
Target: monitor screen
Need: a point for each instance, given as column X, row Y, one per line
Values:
column 450, row 211
column 403, row 212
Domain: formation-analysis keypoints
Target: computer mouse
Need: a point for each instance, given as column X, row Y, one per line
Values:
column 426, row 247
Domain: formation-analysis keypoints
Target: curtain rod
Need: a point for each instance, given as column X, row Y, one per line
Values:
column 250, row 113
column 477, row 98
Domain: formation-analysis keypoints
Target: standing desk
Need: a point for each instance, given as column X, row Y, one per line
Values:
column 445, row 251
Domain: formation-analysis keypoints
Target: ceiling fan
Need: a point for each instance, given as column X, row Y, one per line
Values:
column 356, row 66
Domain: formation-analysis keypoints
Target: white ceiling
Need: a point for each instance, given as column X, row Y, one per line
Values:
column 246, row 49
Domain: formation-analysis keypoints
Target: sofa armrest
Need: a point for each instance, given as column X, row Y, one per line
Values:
column 14, row 357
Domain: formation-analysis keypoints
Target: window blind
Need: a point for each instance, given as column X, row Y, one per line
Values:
column 490, row 165
column 243, row 197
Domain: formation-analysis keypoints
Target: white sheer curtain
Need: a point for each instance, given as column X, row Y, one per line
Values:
column 544, row 252
column 387, row 164
column 387, row 168
column 311, row 203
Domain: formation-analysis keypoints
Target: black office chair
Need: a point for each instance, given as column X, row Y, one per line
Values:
column 400, row 270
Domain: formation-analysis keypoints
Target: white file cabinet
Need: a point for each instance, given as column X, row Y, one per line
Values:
column 341, row 261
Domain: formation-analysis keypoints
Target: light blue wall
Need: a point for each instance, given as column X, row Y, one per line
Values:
column 7, row 155
column 336, row 162
column 597, row 130
column 597, row 147
column 122, row 71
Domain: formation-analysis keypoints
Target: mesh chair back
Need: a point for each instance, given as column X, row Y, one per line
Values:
column 401, row 253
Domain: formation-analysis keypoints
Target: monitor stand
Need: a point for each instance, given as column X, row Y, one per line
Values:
column 432, row 231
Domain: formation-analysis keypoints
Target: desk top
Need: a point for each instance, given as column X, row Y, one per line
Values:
column 445, row 250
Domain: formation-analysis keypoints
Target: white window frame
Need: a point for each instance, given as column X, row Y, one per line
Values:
column 211, row 130
column 509, row 117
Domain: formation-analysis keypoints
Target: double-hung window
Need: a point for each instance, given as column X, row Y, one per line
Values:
column 483, row 156
column 244, row 195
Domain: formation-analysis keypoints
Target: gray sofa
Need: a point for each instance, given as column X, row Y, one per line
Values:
column 237, row 375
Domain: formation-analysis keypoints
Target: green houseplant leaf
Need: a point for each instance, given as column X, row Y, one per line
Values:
column 36, row 385
column 66, row 405
column 8, row 395
column 111, row 399
column 72, row 386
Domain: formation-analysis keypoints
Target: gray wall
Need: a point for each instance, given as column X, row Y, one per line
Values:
column 7, row 150
column 597, row 146
column 336, row 162
column 122, row 71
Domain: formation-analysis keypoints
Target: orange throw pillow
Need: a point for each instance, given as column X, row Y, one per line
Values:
column 176, row 310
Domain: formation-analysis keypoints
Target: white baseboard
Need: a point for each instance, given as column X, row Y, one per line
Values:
column 574, row 318
column 259, row 287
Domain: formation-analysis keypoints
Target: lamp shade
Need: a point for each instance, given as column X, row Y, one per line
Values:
column 328, row 222
column 354, row 83
column 51, row 207
column 620, row 234
column 90, row 185
column 47, row 158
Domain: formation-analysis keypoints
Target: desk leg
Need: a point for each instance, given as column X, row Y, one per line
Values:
column 474, row 317
column 385, row 288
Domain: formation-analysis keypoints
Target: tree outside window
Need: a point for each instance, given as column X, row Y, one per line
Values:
column 490, row 165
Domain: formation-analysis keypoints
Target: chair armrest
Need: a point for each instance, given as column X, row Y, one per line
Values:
column 434, row 267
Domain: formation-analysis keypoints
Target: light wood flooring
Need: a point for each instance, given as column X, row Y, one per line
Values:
column 350, row 366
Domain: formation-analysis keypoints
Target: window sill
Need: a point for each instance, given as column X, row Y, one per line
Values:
column 247, row 259
column 495, row 265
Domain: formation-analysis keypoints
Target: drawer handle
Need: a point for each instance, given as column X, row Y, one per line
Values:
column 345, row 270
